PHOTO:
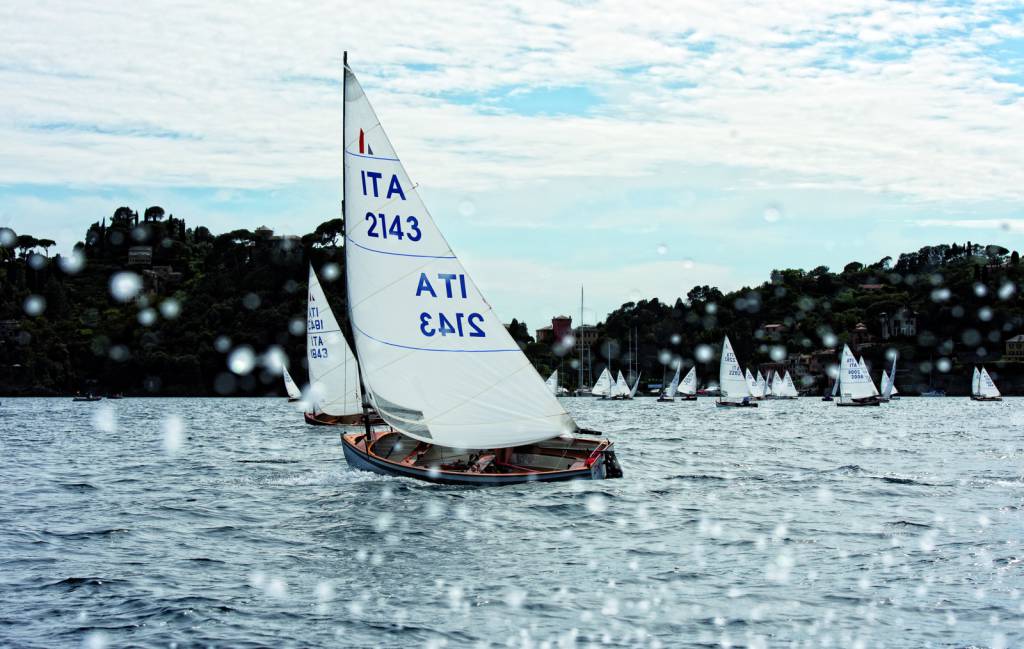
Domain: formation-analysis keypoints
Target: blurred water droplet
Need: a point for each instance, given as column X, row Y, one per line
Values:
column 703, row 353
column 104, row 420
column 73, row 263
column 95, row 640
column 330, row 271
column 830, row 339
column 1007, row 290
column 174, row 434
column 515, row 597
column 664, row 357
column 676, row 339
column 944, row 365
column 662, row 249
column 8, row 238
column 297, row 327
column 274, row 359
column 222, row 344
column 147, row 317
column 37, row 261
column 597, row 503
column 119, row 353
column 688, row 264
column 170, row 308
column 324, row 591
column 940, row 294
column 125, row 285
column 772, row 214
column 241, row 360
column 984, row 314
column 777, row 353
column 251, row 301
column 467, row 208
column 34, row 305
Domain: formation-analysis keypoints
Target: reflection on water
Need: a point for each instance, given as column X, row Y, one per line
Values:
column 230, row 522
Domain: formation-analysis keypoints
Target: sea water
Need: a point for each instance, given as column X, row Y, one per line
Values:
column 231, row 523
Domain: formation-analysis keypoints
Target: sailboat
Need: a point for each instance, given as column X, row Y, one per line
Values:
column 732, row 383
column 294, row 393
column 552, row 383
column 620, row 390
column 751, row 383
column 603, row 387
column 669, row 394
column 983, row 388
column 889, row 391
column 688, row 386
column 462, row 402
column 787, row 390
column 855, row 386
column 830, row 396
column 636, row 384
column 769, row 384
column 867, row 373
column 760, row 386
column 336, row 397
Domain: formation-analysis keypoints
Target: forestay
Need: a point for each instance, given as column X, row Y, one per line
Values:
column 854, row 382
column 289, row 385
column 333, row 373
column 437, row 362
column 730, row 378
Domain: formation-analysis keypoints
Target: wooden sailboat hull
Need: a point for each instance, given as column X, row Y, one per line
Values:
column 732, row 404
column 323, row 419
column 590, row 459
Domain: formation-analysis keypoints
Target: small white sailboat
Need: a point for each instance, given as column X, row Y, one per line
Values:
column 669, row 393
column 867, row 373
column 760, row 386
column 603, row 387
column 732, row 384
column 855, row 386
column 636, row 384
column 769, row 385
column 688, row 386
column 787, row 390
column 889, row 391
column 294, row 393
column 552, row 383
column 462, row 402
column 983, row 388
column 621, row 388
column 333, row 371
column 751, row 383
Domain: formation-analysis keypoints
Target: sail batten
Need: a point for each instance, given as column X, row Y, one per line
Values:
column 427, row 340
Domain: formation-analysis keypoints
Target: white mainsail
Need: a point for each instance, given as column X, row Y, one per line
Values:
column 986, row 386
column 289, row 385
column 760, row 386
column 864, row 368
column 689, row 383
column 603, row 387
column 854, row 382
column 333, row 372
column 889, row 382
column 673, row 387
column 436, row 360
column 552, row 383
column 621, row 388
column 769, row 384
column 731, row 381
column 777, row 389
column 751, row 383
column 975, row 382
column 788, row 388
column 632, row 391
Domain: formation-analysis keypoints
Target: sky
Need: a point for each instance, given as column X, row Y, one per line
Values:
column 636, row 148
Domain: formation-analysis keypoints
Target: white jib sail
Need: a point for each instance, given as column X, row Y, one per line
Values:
column 632, row 391
column 986, row 386
column 437, row 361
column 289, row 385
column 760, row 386
column 751, row 383
column 333, row 373
column 789, row 389
column 769, row 383
column 854, row 382
column 730, row 378
column 689, row 383
column 864, row 368
column 603, row 387
column 777, row 389
column 552, row 383
column 673, row 387
column 975, row 382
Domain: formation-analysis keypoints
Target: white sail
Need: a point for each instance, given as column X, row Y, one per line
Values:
column 867, row 373
column 436, row 360
column 673, row 387
column 552, row 383
column 854, row 382
column 632, row 391
column 788, row 388
column 333, row 372
column 760, row 386
column 751, row 383
column 986, row 386
column 888, row 383
column 769, row 384
column 621, row 388
column 689, row 383
column 777, row 389
column 289, row 385
column 975, row 382
column 730, row 378
column 603, row 387
column 835, row 385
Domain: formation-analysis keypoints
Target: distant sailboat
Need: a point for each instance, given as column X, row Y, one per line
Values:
column 889, row 391
column 983, row 388
column 333, row 371
column 463, row 402
column 760, row 386
column 855, row 386
column 787, row 390
column 751, row 383
column 621, row 389
column 733, row 385
column 867, row 373
column 294, row 393
column 769, row 385
column 603, row 387
column 552, row 383
column 636, row 384
column 669, row 394
column 688, row 386
column 835, row 390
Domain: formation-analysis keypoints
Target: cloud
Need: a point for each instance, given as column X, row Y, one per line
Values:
column 1006, row 225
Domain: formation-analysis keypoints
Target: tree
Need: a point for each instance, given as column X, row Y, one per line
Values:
column 853, row 267
column 154, row 213
column 26, row 242
column 1014, row 258
column 46, row 244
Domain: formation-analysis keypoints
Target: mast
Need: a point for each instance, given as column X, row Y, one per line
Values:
column 344, row 220
column 579, row 384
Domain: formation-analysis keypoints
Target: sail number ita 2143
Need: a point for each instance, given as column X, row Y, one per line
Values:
column 447, row 286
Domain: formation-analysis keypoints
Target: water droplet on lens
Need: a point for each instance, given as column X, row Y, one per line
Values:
column 170, row 308
column 676, row 339
column 688, row 264
column 944, row 365
column 34, row 305
column 241, row 360
column 703, row 353
column 596, row 503
column 147, row 317
column 73, row 263
column 662, row 249
column 297, row 327
column 174, row 434
column 778, row 353
column 8, row 238
column 772, row 214
column 104, row 420
column 330, row 271
column 467, row 208
column 222, row 344
column 125, row 285
column 251, row 301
